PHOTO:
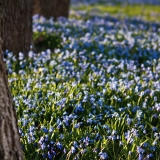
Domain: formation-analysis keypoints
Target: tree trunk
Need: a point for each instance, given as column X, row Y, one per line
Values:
column 10, row 148
column 52, row 8
column 17, row 34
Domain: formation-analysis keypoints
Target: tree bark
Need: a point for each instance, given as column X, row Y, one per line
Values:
column 10, row 148
column 17, row 34
column 51, row 8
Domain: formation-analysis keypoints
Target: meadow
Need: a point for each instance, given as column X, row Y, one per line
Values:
column 92, row 91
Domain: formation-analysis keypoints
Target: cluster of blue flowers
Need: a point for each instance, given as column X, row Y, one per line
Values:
column 97, row 97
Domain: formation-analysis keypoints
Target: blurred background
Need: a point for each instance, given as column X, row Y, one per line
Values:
column 147, row 10
column 155, row 2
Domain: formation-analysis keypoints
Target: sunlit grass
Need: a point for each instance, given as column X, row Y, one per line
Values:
column 145, row 12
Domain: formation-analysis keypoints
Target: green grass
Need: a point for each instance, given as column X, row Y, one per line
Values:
column 145, row 12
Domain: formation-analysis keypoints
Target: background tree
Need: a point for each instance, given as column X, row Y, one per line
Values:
column 10, row 148
column 17, row 21
column 52, row 8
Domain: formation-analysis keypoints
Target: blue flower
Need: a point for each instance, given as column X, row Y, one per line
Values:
column 44, row 129
column 154, row 129
column 140, row 150
column 43, row 146
column 79, row 108
column 140, row 156
column 150, row 155
column 103, row 155
column 73, row 149
column 59, row 146
column 50, row 155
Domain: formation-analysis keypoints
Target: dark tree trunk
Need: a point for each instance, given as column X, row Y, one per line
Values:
column 10, row 148
column 52, row 8
column 17, row 34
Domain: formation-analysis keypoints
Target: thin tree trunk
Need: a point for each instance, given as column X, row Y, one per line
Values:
column 10, row 148
column 52, row 8
column 17, row 35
